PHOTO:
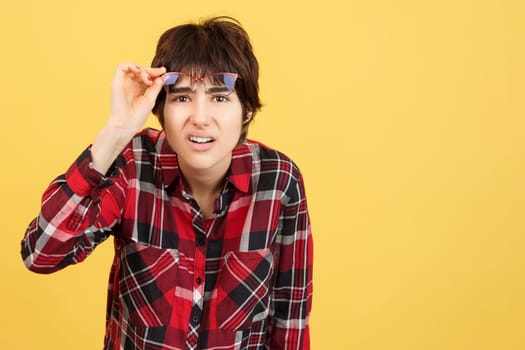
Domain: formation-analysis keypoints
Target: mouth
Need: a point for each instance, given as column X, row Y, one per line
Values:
column 200, row 140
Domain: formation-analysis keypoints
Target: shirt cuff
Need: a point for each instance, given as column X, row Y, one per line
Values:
column 83, row 178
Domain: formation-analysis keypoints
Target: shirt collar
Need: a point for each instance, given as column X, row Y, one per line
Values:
column 241, row 168
column 239, row 174
column 169, row 167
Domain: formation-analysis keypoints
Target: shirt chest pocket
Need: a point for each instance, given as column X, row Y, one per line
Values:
column 243, row 288
column 147, row 283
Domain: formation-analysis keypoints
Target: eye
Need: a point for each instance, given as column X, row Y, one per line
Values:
column 179, row 98
column 220, row 98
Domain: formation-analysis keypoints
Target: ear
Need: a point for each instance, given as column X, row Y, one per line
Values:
column 248, row 118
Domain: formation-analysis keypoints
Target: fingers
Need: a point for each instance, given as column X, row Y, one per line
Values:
column 148, row 75
column 153, row 90
column 144, row 74
column 137, row 87
column 154, row 72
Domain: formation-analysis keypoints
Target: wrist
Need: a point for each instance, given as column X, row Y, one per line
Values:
column 121, row 134
column 110, row 141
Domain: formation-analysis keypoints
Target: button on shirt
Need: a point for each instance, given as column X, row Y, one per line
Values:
column 240, row 279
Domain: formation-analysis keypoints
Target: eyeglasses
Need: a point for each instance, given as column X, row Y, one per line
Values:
column 216, row 84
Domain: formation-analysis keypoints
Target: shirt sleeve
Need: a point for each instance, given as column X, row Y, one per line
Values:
column 292, row 293
column 78, row 211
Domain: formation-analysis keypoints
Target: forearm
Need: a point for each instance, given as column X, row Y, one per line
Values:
column 77, row 213
column 109, row 143
column 46, row 251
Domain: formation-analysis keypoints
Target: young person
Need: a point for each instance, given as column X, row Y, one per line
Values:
column 213, row 247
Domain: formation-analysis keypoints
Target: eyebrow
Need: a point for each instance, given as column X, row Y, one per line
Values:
column 180, row 90
column 216, row 89
column 187, row 90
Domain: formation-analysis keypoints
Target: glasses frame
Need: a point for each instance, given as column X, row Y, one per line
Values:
column 202, row 79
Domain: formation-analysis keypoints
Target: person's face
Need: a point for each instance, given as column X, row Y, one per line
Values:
column 202, row 125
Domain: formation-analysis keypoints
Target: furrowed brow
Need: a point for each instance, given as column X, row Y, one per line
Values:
column 217, row 89
column 180, row 90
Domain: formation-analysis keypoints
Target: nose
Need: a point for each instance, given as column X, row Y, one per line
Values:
column 201, row 113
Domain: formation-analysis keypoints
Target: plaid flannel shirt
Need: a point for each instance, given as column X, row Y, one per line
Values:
column 241, row 279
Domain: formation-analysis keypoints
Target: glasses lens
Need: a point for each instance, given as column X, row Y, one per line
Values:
column 220, row 83
column 170, row 80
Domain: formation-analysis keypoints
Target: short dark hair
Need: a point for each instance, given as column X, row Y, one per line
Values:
column 218, row 44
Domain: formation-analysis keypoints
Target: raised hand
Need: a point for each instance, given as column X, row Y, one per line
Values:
column 133, row 93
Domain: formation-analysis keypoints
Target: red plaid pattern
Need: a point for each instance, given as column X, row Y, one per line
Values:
column 241, row 279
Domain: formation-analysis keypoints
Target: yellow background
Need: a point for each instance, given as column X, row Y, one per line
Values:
column 406, row 118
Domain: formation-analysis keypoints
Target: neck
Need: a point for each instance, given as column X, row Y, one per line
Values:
column 205, row 184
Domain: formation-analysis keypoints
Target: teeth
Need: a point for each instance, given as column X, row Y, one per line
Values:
column 200, row 139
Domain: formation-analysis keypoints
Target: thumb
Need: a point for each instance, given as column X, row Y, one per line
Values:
column 153, row 90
